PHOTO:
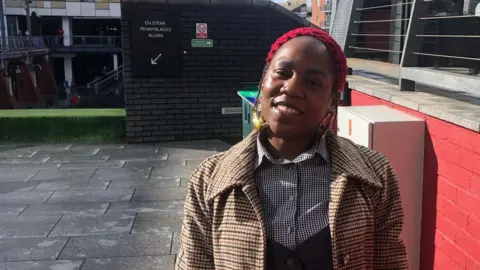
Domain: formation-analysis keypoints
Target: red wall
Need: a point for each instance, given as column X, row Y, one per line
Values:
column 451, row 192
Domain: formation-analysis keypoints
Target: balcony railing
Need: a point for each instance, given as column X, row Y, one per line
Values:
column 326, row 7
column 420, row 41
column 19, row 44
column 83, row 41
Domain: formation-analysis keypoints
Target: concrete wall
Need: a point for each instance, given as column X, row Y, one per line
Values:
column 451, row 200
column 161, row 109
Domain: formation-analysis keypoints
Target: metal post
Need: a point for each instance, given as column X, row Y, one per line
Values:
column 29, row 29
column 2, row 26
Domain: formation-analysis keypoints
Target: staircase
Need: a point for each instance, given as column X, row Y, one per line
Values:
column 103, row 92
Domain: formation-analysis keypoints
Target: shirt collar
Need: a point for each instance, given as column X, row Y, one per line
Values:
column 319, row 148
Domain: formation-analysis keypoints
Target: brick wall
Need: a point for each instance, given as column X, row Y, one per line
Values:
column 451, row 200
column 161, row 109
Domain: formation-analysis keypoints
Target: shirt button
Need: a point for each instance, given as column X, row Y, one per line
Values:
column 293, row 264
column 289, row 230
column 291, row 197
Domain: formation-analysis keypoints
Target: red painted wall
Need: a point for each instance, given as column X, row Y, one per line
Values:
column 451, row 192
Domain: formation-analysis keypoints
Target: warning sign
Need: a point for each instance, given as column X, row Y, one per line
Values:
column 201, row 30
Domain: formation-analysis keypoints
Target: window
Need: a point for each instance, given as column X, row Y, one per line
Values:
column 318, row 3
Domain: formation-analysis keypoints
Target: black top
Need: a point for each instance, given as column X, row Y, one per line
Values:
column 313, row 254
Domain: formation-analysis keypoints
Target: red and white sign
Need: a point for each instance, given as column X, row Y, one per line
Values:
column 201, row 30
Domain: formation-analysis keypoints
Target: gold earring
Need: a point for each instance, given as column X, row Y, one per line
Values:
column 257, row 120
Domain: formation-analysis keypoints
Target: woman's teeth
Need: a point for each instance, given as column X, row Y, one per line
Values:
column 286, row 109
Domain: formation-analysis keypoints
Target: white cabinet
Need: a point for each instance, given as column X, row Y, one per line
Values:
column 401, row 138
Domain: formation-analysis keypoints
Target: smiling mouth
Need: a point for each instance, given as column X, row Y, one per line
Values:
column 287, row 108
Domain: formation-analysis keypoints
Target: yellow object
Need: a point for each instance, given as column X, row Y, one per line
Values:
column 257, row 120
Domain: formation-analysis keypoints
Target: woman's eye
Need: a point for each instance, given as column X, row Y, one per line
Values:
column 313, row 82
column 281, row 73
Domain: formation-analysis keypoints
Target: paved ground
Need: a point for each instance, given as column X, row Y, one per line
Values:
column 66, row 207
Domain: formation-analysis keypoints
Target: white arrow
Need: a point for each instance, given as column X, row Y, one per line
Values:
column 154, row 61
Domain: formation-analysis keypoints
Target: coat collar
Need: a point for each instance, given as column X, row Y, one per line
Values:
column 236, row 167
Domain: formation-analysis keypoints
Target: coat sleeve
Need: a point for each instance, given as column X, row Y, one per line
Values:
column 389, row 249
column 196, row 252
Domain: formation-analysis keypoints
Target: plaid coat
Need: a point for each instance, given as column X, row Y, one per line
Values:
column 223, row 220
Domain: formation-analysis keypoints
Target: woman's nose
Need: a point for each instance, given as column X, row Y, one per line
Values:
column 293, row 87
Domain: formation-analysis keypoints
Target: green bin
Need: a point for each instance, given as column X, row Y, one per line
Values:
column 248, row 100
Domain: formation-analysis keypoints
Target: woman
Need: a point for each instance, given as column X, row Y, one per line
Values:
column 292, row 195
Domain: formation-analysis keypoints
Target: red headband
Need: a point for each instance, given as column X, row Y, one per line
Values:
column 332, row 46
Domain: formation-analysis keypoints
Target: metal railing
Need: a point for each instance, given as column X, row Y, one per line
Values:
column 327, row 22
column 108, row 74
column 21, row 43
column 421, row 41
column 83, row 41
column 327, row 6
column 106, row 82
column 379, row 31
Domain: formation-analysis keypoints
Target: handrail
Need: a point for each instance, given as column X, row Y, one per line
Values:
column 108, row 82
column 21, row 43
column 84, row 41
column 101, row 78
column 384, row 6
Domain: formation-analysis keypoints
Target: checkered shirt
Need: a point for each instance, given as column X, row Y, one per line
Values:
column 294, row 194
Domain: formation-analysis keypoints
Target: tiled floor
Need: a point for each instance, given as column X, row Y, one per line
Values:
column 115, row 206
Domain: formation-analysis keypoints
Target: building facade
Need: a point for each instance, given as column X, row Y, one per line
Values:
column 83, row 37
column 322, row 13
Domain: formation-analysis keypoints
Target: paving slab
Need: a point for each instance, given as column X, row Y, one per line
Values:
column 25, row 249
column 94, row 225
column 151, row 183
column 112, row 206
column 27, row 197
column 184, row 182
column 175, row 243
column 29, row 166
column 71, row 185
column 117, row 246
column 11, row 175
column 79, row 209
column 158, row 222
column 12, row 210
column 159, row 194
column 62, row 175
column 86, row 146
column 120, row 174
column 145, row 207
column 7, row 187
column 185, row 153
column 129, row 263
column 31, row 226
column 45, row 147
column 69, row 158
column 138, row 154
column 194, row 145
column 83, row 196
column 24, row 160
column 67, row 152
column 42, row 265
column 18, row 153
column 171, row 171
column 93, row 165
column 145, row 164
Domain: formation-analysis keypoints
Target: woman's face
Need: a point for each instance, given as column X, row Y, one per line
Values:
column 297, row 88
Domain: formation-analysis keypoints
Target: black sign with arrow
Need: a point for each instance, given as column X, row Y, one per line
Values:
column 156, row 44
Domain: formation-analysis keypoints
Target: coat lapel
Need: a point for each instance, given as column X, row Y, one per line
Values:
column 347, row 164
column 236, row 170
